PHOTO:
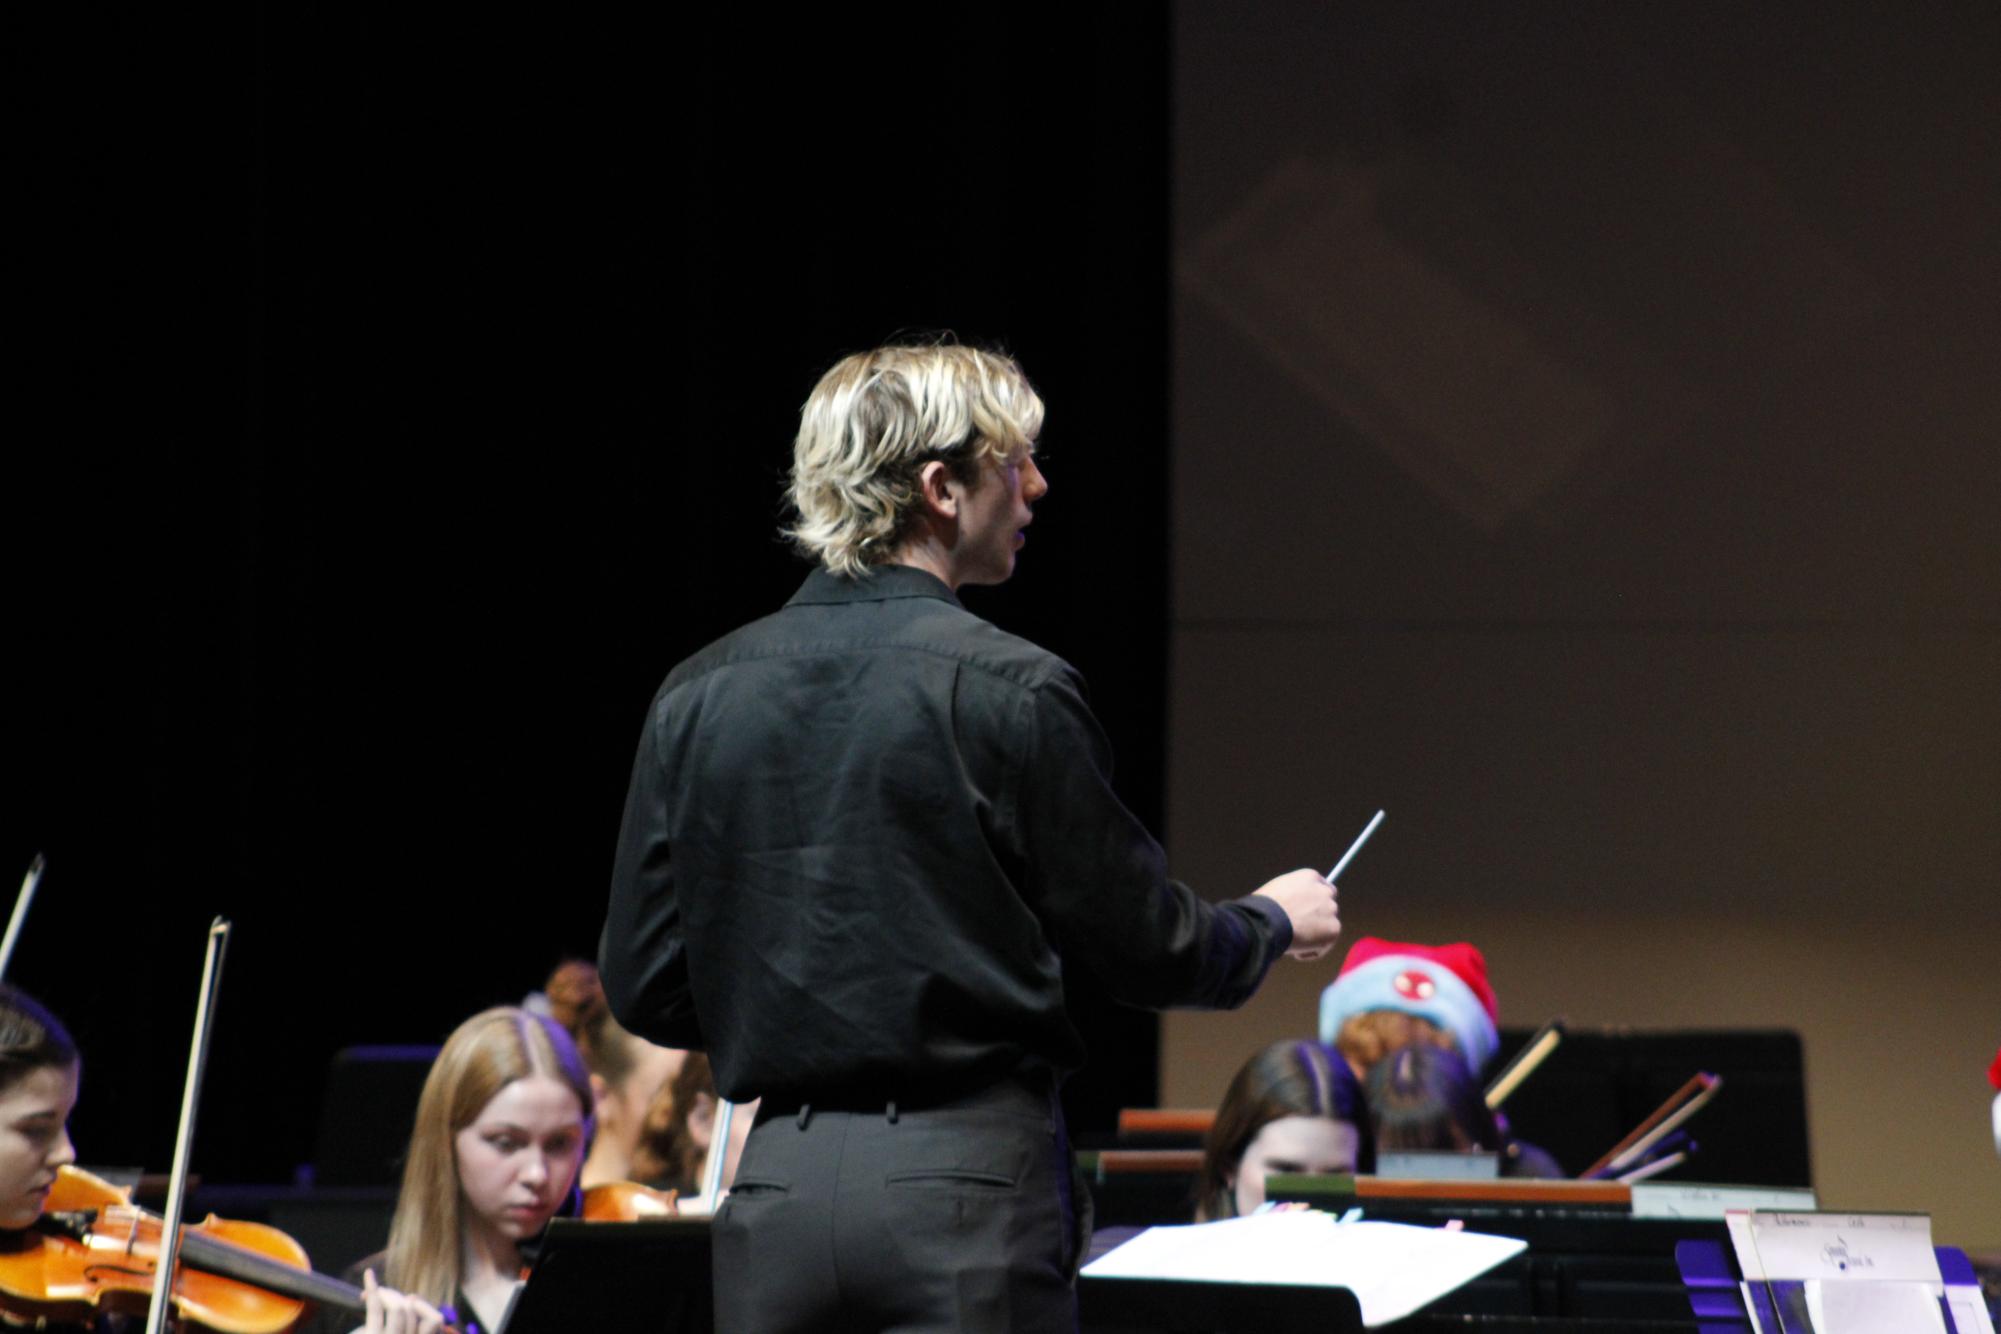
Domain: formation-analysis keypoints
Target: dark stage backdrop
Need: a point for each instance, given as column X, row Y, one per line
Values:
column 402, row 399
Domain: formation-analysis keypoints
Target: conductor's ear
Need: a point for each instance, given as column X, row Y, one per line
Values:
column 939, row 489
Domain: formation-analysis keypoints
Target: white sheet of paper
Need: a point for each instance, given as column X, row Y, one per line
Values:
column 1844, row 1307
column 1969, row 1310
column 1693, row 1199
column 1846, row 1248
column 1751, row 1308
column 1738, row 1223
column 1392, row 1268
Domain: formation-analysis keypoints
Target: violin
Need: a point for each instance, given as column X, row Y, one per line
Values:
column 94, row 1251
column 627, row 1202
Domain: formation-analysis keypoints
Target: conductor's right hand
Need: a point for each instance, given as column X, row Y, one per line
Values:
column 1312, row 904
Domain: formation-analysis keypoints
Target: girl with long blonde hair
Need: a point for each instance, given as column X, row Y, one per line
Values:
column 501, row 1128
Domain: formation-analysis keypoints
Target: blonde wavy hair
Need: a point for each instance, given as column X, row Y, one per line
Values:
column 483, row 1055
column 872, row 423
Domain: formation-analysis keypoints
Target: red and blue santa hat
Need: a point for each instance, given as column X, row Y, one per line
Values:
column 1446, row 984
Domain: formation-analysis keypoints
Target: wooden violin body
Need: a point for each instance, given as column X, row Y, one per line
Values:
column 94, row 1251
column 626, row 1202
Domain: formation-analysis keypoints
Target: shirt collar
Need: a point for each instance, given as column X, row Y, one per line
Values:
column 878, row 583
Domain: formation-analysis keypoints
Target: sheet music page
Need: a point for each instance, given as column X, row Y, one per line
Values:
column 1691, row 1199
column 1969, row 1310
column 1392, row 1268
column 1750, row 1295
column 1873, row 1308
column 1847, row 1248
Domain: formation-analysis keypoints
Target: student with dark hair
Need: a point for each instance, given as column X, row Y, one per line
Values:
column 1293, row 1107
column 1424, row 1097
column 1392, row 996
column 40, row 1073
column 39, row 1076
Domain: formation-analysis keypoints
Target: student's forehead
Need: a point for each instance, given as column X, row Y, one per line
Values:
column 1302, row 1135
column 45, row 1089
column 531, row 1100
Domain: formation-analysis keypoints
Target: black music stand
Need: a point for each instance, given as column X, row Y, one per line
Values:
column 1171, row 1306
column 651, row 1275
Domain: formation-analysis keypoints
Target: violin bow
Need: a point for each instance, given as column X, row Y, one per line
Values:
column 1683, row 1103
column 1526, row 1060
column 177, row 1183
column 21, row 901
column 1704, row 1088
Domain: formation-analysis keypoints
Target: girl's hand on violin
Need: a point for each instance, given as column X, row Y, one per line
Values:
column 393, row 1312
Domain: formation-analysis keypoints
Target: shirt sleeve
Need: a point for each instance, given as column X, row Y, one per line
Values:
column 642, row 956
column 1098, row 881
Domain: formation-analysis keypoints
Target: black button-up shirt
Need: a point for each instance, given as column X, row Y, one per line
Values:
column 864, row 837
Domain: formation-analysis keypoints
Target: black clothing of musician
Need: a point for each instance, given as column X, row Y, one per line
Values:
column 865, row 836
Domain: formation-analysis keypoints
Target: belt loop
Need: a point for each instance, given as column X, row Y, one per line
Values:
column 805, row 1114
column 892, row 1111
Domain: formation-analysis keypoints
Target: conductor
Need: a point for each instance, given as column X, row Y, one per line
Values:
column 865, row 837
